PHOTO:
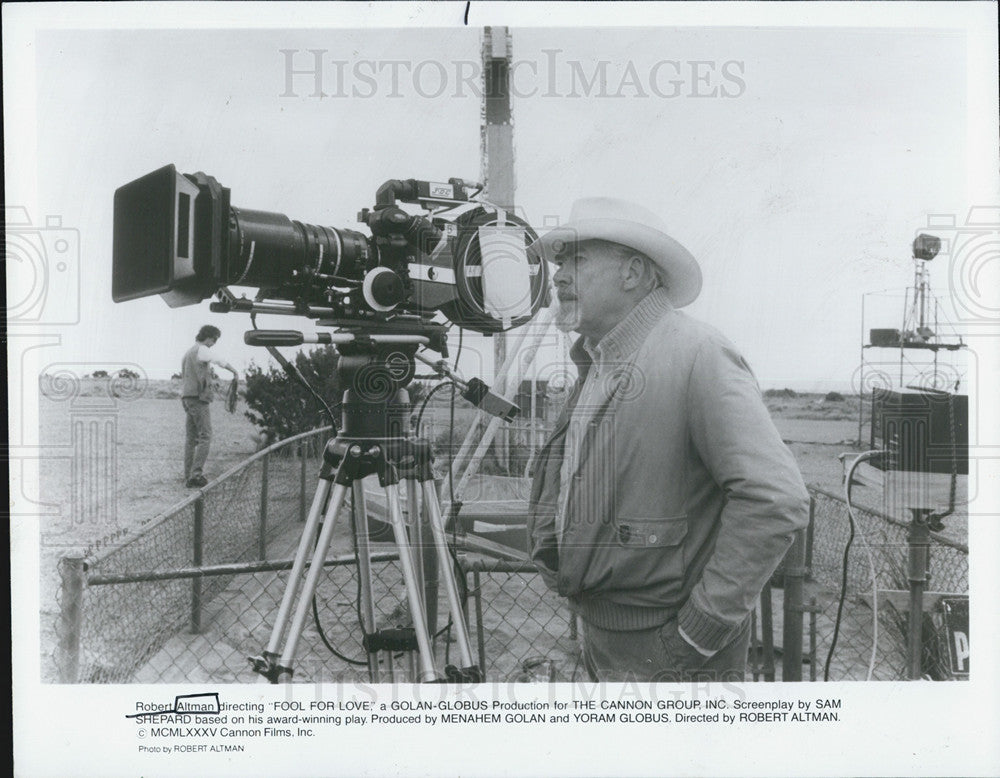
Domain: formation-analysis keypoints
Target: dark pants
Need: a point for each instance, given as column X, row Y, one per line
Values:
column 660, row 655
column 199, row 436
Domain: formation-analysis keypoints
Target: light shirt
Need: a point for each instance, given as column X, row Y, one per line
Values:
column 612, row 364
column 205, row 354
column 593, row 394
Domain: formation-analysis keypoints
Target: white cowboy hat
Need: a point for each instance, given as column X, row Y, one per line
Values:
column 632, row 225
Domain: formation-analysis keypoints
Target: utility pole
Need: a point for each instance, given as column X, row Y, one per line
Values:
column 497, row 154
column 497, row 137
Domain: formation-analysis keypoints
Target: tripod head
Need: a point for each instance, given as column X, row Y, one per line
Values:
column 376, row 364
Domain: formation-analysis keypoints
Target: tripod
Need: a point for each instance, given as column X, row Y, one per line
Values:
column 372, row 441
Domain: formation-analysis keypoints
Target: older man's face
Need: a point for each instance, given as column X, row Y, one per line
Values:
column 589, row 287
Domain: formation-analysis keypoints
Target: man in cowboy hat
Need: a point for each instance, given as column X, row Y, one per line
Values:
column 665, row 498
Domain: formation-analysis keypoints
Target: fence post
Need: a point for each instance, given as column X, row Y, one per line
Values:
column 480, row 633
column 813, row 610
column 262, row 526
column 199, row 540
column 73, row 572
column 810, row 532
column 918, row 542
column 793, row 606
column 767, row 632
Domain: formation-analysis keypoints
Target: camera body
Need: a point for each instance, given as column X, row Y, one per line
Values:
column 179, row 236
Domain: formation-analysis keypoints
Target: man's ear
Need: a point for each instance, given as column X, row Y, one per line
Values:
column 632, row 270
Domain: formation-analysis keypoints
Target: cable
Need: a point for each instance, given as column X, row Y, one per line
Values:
column 458, row 353
column 430, row 394
column 357, row 601
column 326, row 642
column 854, row 526
column 295, row 373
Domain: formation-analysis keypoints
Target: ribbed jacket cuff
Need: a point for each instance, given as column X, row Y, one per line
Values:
column 704, row 630
column 618, row 617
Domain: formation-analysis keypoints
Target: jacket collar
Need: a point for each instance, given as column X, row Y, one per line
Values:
column 627, row 335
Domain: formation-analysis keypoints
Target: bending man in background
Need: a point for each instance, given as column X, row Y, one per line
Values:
column 196, row 395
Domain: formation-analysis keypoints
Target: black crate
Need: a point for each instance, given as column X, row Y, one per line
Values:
column 917, row 428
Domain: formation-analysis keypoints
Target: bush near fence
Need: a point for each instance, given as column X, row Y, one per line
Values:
column 178, row 626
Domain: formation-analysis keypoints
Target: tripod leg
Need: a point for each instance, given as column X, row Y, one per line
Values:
column 312, row 578
column 414, row 599
column 365, row 571
column 446, row 574
column 416, row 539
column 295, row 577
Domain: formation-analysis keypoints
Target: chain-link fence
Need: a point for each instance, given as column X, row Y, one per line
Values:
column 869, row 641
column 120, row 606
column 194, row 594
column 523, row 630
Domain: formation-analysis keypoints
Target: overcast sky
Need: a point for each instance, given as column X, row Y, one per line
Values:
column 796, row 164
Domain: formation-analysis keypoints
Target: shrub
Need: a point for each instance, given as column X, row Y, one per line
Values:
column 781, row 393
column 127, row 374
column 833, row 397
column 281, row 407
column 100, row 374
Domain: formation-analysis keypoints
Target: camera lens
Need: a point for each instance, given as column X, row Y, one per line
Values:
column 268, row 250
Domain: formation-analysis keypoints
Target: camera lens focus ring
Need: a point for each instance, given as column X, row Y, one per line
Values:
column 383, row 289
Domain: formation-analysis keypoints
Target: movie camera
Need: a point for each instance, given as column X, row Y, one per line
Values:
column 177, row 235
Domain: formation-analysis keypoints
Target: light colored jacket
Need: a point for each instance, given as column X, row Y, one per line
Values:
column 685, row 498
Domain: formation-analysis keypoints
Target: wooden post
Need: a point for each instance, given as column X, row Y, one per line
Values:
column 73, row 572
column 767, row 632
column 793, row 607
column 813, row 610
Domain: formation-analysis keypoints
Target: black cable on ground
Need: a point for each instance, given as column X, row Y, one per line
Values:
column 840, row 603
